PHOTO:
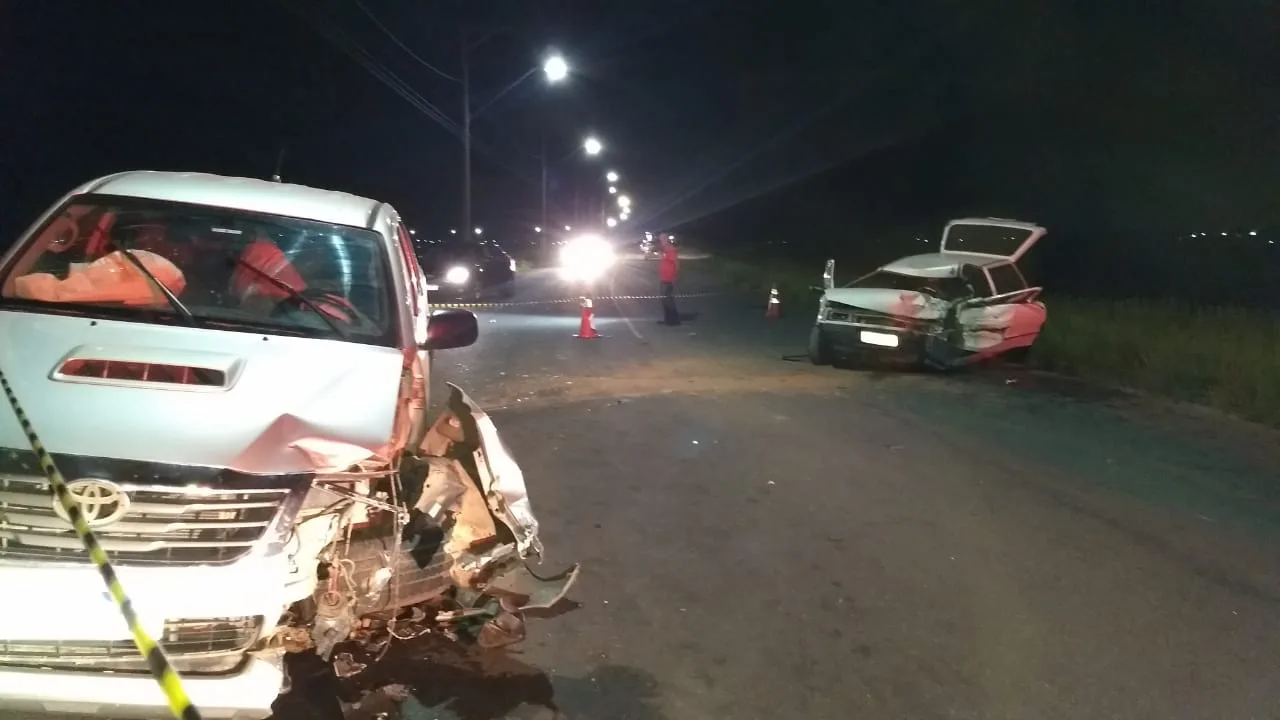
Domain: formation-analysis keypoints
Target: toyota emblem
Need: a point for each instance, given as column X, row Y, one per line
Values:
column 101, row 502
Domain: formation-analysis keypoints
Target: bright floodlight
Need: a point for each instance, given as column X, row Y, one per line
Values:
column 624, row 201
column 586, row 258
column 555, row 68
column 611, row 176
column 592, row 146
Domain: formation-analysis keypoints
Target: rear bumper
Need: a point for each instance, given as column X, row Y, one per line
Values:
column 246, row 695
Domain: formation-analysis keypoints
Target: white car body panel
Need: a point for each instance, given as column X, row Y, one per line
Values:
column 988, row 326
column 277, row 394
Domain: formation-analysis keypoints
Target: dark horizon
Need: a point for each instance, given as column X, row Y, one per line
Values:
column 814, row 120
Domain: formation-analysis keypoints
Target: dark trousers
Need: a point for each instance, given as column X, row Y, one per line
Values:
column 669, row 314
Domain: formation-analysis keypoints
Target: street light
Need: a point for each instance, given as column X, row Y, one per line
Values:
column 611, row 176
column 611, row 222
column 613, row 190
column 567, row 228
column 555, row 68
column 537, row 228
column 592, row 145
column 624, row 201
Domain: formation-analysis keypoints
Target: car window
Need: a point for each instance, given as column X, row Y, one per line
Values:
column 975, row 281
column 945, row 287
column 437, row 255
column 231, row 269
column 1006, row 278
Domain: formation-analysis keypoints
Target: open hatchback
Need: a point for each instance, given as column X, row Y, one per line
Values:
column 966, row 303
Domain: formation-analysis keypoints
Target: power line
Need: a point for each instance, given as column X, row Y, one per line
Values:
column 363, row 58
column 368, row 13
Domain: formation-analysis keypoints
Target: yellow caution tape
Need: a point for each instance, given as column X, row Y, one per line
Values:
column 179, row 704
column 562, row 301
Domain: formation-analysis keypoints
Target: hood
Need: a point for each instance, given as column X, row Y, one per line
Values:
column 265, row 405
column 900, row 303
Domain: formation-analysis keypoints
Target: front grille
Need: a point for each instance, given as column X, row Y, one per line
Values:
column 193, row 643
column 163, row 525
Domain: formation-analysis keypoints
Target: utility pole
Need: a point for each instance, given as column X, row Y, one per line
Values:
column 545, row 227
column 466, row 137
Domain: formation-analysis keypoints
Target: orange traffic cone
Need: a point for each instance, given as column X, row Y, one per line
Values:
column 587, row 330
column 775, row 305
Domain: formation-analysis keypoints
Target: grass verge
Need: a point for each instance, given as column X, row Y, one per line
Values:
column 1223, row 357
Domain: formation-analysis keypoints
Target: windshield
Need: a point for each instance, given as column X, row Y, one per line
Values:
column 947, row 287
column 231, row 270
column 985, row 239
column 436, row 255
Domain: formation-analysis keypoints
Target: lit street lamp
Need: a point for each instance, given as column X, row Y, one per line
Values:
column 537, row 228
column 611, row 176
column 613, row 190
column 592, row 145
column 479, row 231
column 611, row 222
column 555, row 68
column 624, row 201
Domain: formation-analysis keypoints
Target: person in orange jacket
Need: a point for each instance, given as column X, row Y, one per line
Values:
column 668, row 270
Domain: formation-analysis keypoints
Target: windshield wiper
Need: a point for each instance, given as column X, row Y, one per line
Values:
column 168, row 294
column 293, row 295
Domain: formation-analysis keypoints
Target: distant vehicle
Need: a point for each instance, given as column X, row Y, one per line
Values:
column 964, row 304
column 649, row 247
column 469, row 269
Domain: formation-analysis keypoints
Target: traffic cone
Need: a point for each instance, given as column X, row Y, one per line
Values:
column 587, row 330
column 775, row 306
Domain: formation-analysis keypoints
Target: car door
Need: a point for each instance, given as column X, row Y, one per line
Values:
column 1010, row 315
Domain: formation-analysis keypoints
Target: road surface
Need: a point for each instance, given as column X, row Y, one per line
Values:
column 766, row 539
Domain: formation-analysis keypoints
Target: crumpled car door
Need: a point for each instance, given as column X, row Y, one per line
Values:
column 992, row 325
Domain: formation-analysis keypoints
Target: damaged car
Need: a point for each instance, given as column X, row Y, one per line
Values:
column 232, row 376
column 967, row 303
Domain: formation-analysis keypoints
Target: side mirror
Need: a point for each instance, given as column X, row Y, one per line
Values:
column 829, row 275
column 449, row 329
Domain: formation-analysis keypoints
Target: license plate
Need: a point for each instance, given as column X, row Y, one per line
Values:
column 880, row 339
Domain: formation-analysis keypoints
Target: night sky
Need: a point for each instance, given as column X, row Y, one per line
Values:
column 732, row 120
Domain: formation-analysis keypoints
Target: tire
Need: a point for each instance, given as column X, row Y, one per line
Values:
column 819, row 349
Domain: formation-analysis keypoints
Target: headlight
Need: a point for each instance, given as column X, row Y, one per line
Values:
column 457, row 275
column 513, row 264
column 586, row 258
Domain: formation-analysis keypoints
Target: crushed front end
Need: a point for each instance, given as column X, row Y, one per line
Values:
column 232, row 571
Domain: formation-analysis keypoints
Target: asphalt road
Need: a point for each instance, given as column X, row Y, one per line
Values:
column 767, row 539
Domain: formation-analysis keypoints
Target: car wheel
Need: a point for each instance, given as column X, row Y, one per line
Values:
column 819, row 349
